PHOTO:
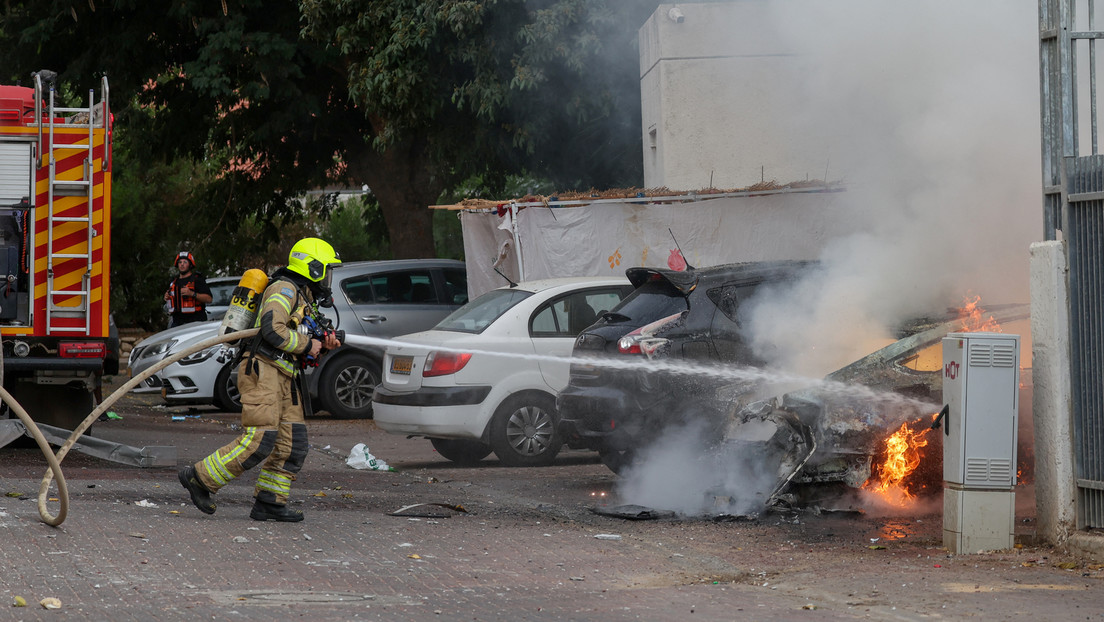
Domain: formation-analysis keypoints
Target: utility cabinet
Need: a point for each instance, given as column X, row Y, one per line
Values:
column 981, row 373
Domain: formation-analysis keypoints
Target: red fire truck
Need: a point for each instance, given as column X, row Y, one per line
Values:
column 55, row 246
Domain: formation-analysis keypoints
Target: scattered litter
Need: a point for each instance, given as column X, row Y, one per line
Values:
column 19, row 602
column 14, row 494
column 241, row 539
column 114, row 416
column 361, row 458
column 50, row 603
column 414, row 556
column 408, row 511
column 137, row 534
column 145, row 503
column 607, row 536
column 578, row 578
column 876, row 547
column 183, row 417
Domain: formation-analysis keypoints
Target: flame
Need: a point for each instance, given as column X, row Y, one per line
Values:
column 902, row 456
column 970, row 316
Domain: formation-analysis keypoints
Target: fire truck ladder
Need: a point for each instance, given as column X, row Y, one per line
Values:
column 85, row 187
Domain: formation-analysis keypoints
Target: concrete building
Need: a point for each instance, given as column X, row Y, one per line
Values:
column 719, row 91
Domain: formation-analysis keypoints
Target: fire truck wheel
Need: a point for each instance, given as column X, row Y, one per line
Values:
column 59, row 406
column 227, row 396
column 346, row 386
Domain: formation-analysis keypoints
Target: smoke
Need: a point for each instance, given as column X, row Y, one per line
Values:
column 675, row 474
column 928, row 111
column 929, row 114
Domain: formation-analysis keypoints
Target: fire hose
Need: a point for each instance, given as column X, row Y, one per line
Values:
column 54, row 460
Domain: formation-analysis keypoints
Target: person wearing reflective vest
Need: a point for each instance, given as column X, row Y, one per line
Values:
column 188, row 294
column 274, row 429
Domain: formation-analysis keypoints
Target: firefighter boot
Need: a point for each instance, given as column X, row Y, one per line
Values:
column 201, row 497
column 263, row 510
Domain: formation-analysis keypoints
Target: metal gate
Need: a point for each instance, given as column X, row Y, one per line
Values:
column 1073, row 204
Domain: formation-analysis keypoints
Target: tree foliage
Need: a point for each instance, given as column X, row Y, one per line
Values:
column 230, row 111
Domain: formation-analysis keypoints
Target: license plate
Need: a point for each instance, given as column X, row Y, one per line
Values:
column 402, row 365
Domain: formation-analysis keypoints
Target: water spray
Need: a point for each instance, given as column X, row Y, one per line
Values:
column 677, row 368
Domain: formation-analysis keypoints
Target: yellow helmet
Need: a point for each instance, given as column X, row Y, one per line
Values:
column 312, row 258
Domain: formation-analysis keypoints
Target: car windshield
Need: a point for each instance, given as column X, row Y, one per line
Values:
column 480, row 313
column 654, row 299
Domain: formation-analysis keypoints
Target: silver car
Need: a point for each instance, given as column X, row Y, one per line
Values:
column 371, row 298
column 205, row 377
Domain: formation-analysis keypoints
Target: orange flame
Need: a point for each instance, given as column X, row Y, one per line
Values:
column 971, row 317
column 902, row 456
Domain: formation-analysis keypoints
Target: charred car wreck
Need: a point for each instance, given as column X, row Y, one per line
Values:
column 815, row 445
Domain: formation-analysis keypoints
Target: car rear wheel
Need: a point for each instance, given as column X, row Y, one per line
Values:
column 523, row 430
column 227, row 396
column 346, row 386
column 616, row 460
column 461, row 451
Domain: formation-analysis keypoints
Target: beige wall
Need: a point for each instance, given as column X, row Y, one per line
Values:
column 719, row 98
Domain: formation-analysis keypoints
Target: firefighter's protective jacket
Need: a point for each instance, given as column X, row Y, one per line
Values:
column 282, row 308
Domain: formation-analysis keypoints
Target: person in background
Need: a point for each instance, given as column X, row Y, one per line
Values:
column 188, row 294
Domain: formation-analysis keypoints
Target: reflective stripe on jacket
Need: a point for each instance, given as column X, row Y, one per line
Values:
column 282, row 309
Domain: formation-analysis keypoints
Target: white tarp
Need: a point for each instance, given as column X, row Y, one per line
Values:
column 605, row 238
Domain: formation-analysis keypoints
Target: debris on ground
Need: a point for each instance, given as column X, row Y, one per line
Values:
column 361, row 458
column 633, row 512
column 412, row 511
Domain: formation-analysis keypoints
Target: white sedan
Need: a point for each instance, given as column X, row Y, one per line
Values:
column 486, row 378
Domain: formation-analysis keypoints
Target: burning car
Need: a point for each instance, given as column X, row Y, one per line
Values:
column 754, row 446
column 690, row 316
column 866, row 426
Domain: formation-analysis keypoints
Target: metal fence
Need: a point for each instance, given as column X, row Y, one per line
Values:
column 1073, row 205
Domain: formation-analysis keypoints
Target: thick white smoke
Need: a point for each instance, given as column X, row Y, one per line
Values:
column 929, row 113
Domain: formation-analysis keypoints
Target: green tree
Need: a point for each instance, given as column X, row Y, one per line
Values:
column 406, row 96
column 454, row 88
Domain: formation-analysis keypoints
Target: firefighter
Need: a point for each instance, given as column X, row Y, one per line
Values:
column 188, row 294
column 274, row 429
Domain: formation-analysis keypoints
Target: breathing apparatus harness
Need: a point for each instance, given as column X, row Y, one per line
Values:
column 312, row 323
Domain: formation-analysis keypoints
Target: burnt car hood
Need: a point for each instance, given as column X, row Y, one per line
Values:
column 829, row 436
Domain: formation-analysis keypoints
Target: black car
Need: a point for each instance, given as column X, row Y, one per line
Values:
column 692, row 317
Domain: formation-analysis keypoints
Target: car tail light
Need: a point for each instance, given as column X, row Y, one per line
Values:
column 445, row 363
column 82, row 349
column 643, row 339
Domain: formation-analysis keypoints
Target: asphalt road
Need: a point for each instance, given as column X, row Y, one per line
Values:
column 526, row 545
